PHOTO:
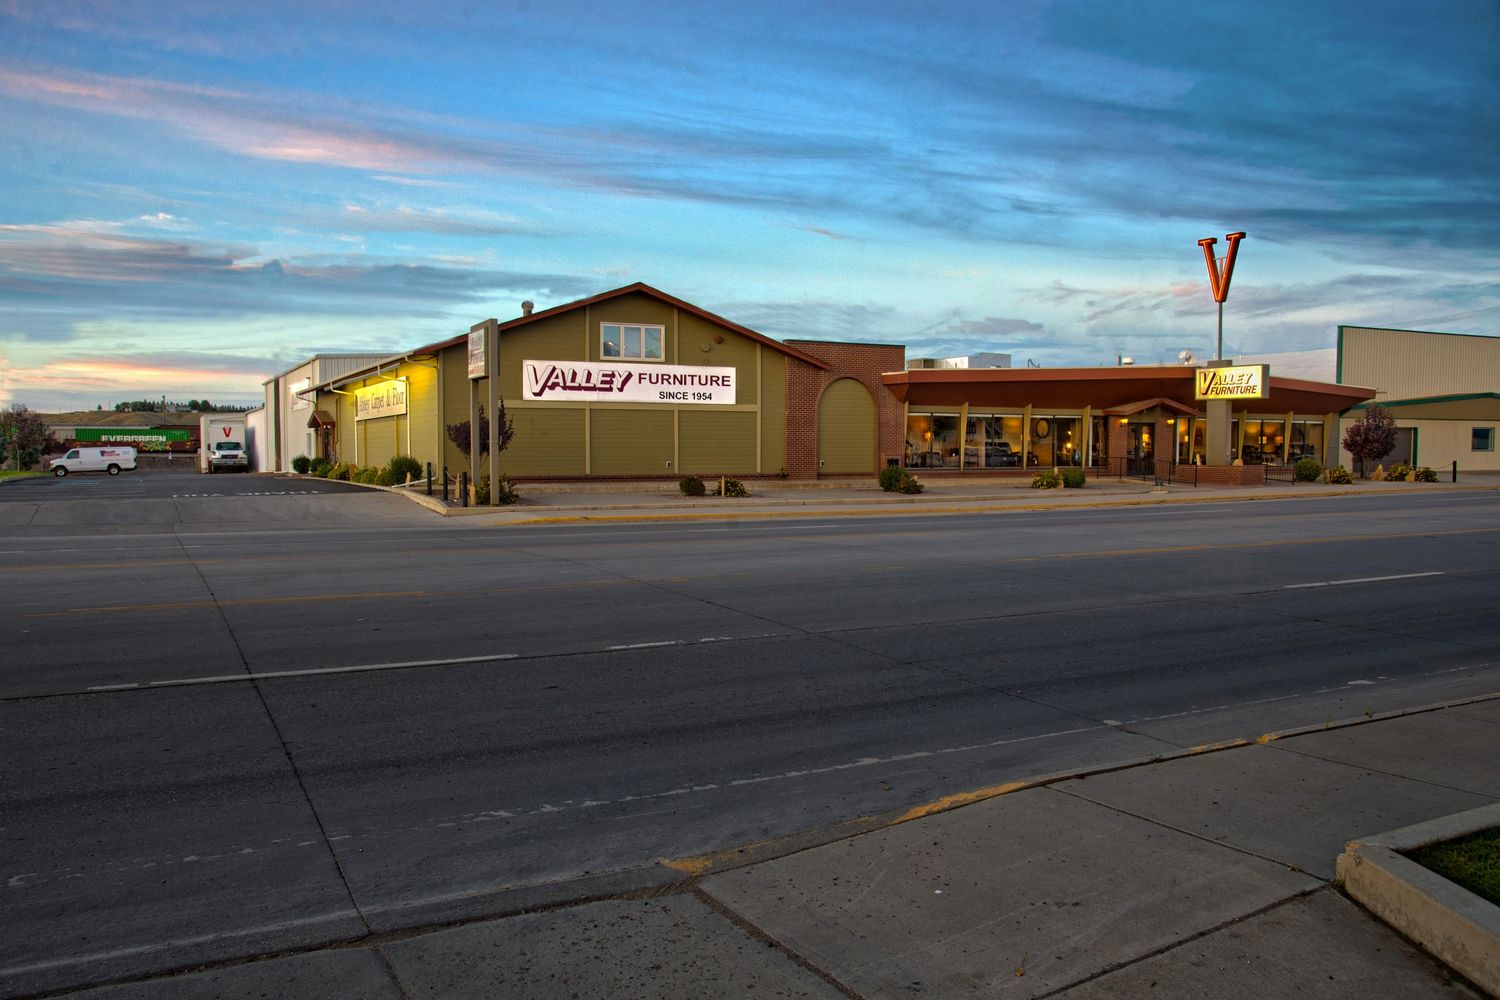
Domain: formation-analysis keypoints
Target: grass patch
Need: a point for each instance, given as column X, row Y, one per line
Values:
column 13, row 474
column 1473, row 862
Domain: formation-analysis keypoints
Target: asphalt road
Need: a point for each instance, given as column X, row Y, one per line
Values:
column 271, row 722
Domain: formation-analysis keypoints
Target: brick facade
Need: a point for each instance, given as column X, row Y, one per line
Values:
column 804, row 387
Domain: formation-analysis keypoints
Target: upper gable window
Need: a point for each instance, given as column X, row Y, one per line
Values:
column 636, row 341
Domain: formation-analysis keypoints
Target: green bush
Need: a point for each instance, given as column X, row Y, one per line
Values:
column 692, row 486
column 1307, row 470
column 1399, row 472
column 508, row 494
column 365, row 475
column 1339, row 474
column 404, row 468
column 301, row 464
column 891, row 476
column 910, row 484
column 340, row 471
column 321, row 468
column 1424, row 475
column 735, row 488
column 1046, row 480
column 1073, row 479
column 383, row 476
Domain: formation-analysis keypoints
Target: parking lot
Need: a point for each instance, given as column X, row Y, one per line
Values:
column 187, row 502
column 164, row 486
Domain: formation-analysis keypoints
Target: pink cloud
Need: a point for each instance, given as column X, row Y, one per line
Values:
column 239, row 121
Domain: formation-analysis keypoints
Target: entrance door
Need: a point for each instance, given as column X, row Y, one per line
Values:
column 1140, row 449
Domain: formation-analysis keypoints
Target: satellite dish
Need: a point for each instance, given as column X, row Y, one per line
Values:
column 1186, row 357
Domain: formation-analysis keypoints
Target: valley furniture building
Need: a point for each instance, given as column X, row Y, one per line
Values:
column 635, row 383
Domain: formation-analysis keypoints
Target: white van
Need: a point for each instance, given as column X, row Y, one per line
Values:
column 110, row 460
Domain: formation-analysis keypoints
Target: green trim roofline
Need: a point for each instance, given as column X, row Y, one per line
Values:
column 1421, row 400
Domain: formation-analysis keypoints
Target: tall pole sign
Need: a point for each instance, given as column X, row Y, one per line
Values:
column 1219, row 274
column 1218, row 449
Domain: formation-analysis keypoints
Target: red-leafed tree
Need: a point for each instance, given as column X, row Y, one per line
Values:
column 459, row 433
column 1372, row 437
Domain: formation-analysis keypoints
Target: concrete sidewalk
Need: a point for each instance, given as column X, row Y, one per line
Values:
column 544, row 503
column 1206, row 874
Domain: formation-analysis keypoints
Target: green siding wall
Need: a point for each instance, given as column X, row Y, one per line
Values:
column 547, row 442
column 846, row 428
column 717, row 442
column 421, row 406
column 772, row 411
column 632, row 442
column 455, row 367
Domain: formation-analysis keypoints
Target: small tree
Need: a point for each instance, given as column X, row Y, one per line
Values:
column 459, row 433
column 1372, row 437
column 25, row 436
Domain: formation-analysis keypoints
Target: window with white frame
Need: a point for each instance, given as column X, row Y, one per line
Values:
column 1483, row 439
column 631, row 340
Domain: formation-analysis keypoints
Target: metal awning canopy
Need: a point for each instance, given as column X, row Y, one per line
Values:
column 1102, row 389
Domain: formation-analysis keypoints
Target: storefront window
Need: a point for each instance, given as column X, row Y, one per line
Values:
column 931, row 441
column 1307, row 440
column 992, row 442
column 1065, row 439
column 1184, row 440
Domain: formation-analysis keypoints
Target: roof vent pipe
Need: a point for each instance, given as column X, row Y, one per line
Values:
column 526, row 307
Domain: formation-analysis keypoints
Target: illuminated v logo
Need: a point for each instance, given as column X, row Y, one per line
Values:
column 1219, row 280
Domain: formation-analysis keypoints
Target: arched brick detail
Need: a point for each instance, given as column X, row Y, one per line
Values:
column 864, row 363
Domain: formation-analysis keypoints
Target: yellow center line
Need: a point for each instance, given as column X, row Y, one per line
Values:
column 617, row 581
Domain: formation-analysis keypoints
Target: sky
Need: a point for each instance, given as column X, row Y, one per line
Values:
column 196, row 197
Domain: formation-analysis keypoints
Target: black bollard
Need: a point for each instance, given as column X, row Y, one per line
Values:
column 445, row 484
column 1455, row 470
column 429, row 479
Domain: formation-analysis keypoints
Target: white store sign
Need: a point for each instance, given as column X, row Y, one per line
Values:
column 617, row 382
column 388, row 399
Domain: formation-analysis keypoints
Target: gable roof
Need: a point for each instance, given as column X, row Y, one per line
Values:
column 635, row 288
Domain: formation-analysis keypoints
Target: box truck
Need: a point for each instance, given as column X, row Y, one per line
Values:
column 222, row 443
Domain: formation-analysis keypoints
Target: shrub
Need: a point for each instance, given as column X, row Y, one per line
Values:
column 1399, row 472
column 692, row 486
column 1424, row 475
column 340, row 471
column 508, row 493
column 1073, row 479
column 891, row 476
column 383, row 476
column 1307, row 470
column 301, row 464
column 403, row 468
column 365, row 475
column 735, row 488
column 1046, row 480
column 909, row 483
column 1339, row 474
column 321, row 468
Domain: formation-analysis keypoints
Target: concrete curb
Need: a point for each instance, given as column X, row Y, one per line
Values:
column 1450, row 922
column 744, row 855
column 851, row 507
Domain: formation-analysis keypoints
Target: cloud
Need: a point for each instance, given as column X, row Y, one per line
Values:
column 404, row 219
